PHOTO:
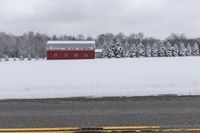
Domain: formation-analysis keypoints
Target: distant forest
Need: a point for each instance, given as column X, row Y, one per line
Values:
column 114, row 45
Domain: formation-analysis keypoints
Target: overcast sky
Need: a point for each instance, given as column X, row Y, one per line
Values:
column 157, row 18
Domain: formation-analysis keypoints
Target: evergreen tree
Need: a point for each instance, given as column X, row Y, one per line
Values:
column 126, row 49
column 168, row 50
column 117, row 48
column 29, row 57
column 14, row 59
column 175, row 50
column 6, row 58
column 189, row 50
column 21, row 57
column 148, row 51
column 161, row 50
column 140, row 50
column 37, row 57
column 182, row 50
column 107, row 52
column 154, row 50
column 133, row 51
column 195, row 50
column 114, row 49
column 120, row 52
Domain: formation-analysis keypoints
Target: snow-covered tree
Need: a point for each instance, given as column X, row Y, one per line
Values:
column 37, row 57
column 133, row 51
column 168, row 50
column 148, row 51
column 182, row 50
column 126, row 49
column 161, row 50
column 80, row 37
column 175, row 50
column 120, row 52
column 116, row 48
column 154, row 50
column 29, row 57
column 140, row 50
column 6, row 58
column 21, row 58
column 107, row 51
column 195, row 50
column 189, row 50
column 14, row 59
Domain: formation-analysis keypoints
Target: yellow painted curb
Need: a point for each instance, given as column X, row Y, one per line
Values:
column 130, row 127
column 98, row 129
column 75, row 130
column 36, row 129
column 180, row 130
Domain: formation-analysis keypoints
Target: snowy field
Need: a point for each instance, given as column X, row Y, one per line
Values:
column 100, row 77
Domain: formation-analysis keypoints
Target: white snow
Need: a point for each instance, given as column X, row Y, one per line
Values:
column 71, row 42
column 100, row 77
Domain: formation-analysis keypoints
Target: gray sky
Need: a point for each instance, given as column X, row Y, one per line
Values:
column 157, row 18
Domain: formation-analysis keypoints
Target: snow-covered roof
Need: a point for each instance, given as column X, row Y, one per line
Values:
column 98, row 50
column 70, row 44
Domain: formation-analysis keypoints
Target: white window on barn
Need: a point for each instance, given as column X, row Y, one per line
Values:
column 55, row 55
column 75, row 55
column 85, row 55
column 65, row 55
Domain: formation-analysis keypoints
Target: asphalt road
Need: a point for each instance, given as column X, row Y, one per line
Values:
column 167, row 111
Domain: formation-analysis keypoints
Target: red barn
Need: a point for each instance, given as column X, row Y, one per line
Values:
column 61, row 50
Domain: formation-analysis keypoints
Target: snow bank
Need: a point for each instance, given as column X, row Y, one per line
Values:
column 100, row 77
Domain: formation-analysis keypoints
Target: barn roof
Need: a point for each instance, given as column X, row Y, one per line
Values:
column 70, row 44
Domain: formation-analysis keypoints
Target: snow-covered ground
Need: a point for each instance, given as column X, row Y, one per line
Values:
column 100, row 77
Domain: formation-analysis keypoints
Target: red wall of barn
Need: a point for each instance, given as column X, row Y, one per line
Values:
column 72, row 54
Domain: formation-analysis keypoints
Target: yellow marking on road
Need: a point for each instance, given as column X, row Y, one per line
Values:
column 98, row 129
column 131, row 127
column 36, row 129
column 181, row 130
column 43, row 132
column 33, row 129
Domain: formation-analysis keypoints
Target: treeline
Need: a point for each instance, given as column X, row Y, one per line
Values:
column 33, row 45
column 136, row 45
column 29, row 45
